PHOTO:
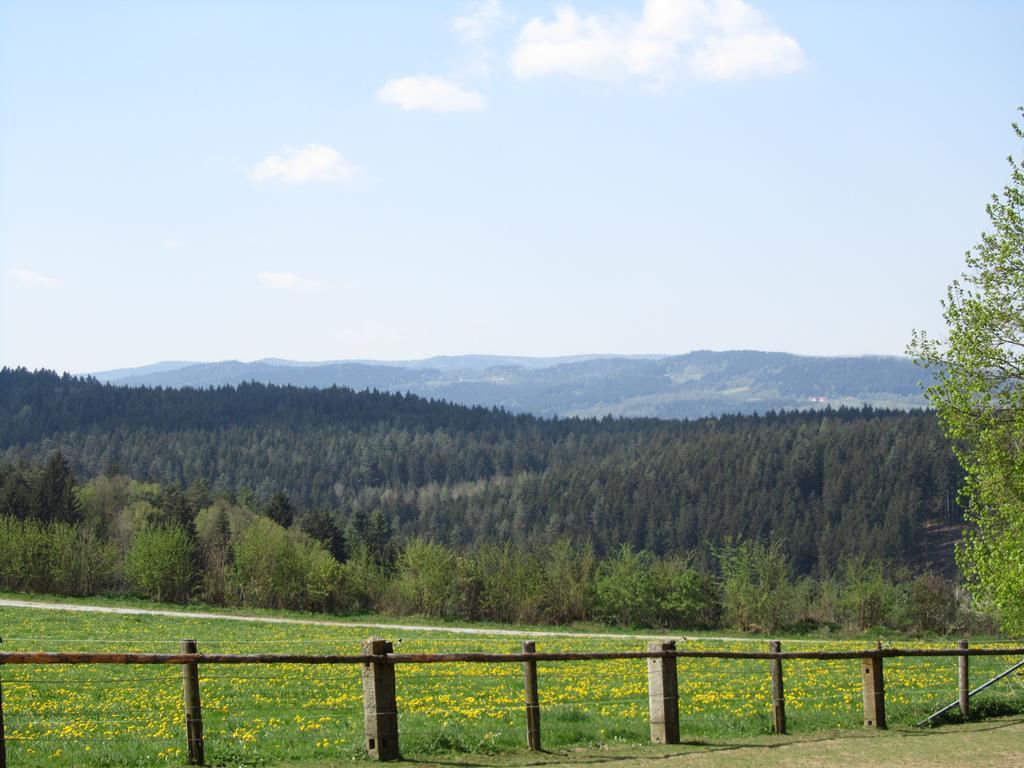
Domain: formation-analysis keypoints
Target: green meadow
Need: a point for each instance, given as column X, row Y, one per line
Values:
column 106, row 715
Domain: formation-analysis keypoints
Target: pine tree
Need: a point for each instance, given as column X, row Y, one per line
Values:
column 280, row 509
column 378, row 537
column 55, row 497
column 321, row 525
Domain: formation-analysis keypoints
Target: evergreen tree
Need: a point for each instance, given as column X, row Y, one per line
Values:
column 322, row 526
column 378, row 537
column 280, row 509
column 16, row 496
column 55, row 498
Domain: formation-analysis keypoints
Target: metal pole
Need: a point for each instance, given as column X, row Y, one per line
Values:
column 963, row 679
column 979, row 689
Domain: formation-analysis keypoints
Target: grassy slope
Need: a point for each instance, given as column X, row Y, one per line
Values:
column 263, row 715
column 997, row 743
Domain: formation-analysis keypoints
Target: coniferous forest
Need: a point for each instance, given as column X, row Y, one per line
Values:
column 365, row 480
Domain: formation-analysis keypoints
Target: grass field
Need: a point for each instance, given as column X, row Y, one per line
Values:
column 994, row 743
column 253, row 715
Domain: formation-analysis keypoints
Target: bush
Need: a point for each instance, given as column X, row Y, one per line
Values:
column 685, row 596
column 364, row 581
column 270, row 571
column 81, row 564
column 757, row 592
column 159, row 564
column 24, row 555
column 423, row 579
column 624, row 589
column 323, row 578
column 55, row 557
column 867, row 599
column 568, row 575
column 931, row 604
column 508, row 588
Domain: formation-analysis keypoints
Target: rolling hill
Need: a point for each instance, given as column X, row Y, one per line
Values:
column 693, row 385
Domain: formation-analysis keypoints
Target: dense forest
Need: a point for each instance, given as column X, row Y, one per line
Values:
column 826, row 485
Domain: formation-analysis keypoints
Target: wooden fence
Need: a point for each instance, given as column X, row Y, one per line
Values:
column 380, row 708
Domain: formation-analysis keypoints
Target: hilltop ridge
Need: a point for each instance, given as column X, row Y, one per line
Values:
column 693, row 385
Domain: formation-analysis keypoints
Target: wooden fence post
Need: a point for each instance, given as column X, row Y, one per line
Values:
column 778, row 691
column 380, row 708
column 964, row 680
column 532, row 698
column 193, row 706
column 874, row 691
column 663, row 692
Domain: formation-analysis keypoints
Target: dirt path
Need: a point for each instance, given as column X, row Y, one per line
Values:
column 517, row 633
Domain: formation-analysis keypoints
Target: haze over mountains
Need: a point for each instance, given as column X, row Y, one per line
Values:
column 692, row 385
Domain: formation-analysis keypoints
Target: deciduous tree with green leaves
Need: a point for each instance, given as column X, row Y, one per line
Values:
column 979, row 396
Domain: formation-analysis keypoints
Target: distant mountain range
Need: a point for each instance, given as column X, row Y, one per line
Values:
column 681, row 386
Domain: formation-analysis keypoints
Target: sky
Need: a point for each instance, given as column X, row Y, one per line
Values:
column 395, row 180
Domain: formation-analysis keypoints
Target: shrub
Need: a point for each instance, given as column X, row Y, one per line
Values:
column 624, row 589
column 55, row 557
column 159, row 564
column 323, row 578
column 867, row 599
column 509, row 589
column 685, row 597
column 363, row 580
column 931, row 604
column 270, row 571
column 24, row 555
column 79, row 563
column 568, row 574
column 423, row 579
column 757, row 590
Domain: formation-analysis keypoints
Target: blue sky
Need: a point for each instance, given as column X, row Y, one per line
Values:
column 329, row 180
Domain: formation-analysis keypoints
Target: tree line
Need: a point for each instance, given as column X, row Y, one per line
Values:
column 116, row 535
column 829, row 484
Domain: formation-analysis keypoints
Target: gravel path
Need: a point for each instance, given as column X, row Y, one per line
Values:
column 518, row 633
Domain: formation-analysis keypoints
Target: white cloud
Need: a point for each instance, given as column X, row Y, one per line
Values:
column 435, row 94
column 749, row 55
column 28, row 277
column 429, row 93
column 288, row 280
column 313, row 163
column 477, row 25
column 706, row 39
column 475, row 28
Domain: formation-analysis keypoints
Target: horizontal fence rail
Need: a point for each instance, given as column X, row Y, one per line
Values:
column 378, row 662
column 22, row 657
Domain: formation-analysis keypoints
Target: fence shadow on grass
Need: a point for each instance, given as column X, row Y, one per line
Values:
column 697, row 747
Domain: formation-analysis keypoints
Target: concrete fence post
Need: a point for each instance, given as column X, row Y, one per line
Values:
column 380, row 708
column 663, row 692
column 874, row 691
